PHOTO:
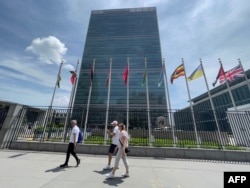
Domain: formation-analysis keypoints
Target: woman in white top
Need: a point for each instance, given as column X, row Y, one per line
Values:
column 122, row 145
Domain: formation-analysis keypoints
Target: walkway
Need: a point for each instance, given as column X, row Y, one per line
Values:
column 25, row 169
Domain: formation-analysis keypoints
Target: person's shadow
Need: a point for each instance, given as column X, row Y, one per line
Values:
column 115, row 181
column 56, row 169
column 102, row 171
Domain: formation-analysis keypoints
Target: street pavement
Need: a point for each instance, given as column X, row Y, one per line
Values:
column 29, row 169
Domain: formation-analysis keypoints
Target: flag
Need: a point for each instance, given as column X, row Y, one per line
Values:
column 125, row 75
column 73, row 77
column 108, row 77
column 144, row 78
column 160, row 79
column 163, row 73
column 179, row 71
column 58, row 80
column 198, row 72
column 91, row 75
column 232, row 74
column 220, row 75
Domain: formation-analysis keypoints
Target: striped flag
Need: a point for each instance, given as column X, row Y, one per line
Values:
column 179, row 71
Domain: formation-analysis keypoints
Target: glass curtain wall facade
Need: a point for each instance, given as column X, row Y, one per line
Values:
column 222, row 102
column 120, row 36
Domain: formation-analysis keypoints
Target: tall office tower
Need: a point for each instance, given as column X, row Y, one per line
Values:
column 117, row 40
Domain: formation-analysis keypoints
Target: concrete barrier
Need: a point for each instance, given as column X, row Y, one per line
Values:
column 157, row 152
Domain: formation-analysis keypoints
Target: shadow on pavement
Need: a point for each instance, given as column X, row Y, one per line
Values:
column 102, row 171
column 115, row 181
column 57, row 169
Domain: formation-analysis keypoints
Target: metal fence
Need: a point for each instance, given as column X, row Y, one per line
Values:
column 157, row 127
column 3, row 114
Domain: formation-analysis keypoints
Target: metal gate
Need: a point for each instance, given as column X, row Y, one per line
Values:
column 3, row 113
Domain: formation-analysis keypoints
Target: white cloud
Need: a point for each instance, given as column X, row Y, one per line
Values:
column 68, row 67
column 61, row 101
column 201, row 7
column 50, row 50
column 190, row 29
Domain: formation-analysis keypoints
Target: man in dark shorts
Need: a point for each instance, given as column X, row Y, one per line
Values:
column 113, row 146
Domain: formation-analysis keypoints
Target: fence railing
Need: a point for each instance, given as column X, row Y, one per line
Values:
column 168, row 128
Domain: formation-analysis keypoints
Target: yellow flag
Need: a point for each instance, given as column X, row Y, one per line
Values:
column 198, row 72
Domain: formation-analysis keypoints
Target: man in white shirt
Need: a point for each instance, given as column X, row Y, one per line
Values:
column 72, row 143
column 115, row 142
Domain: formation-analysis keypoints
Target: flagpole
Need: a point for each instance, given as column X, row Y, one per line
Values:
column 228, row 87
column 58, row 75
column 73, row 91
column 71, row 100
column 128, row 97
column 191, row 106
column 212, row 105
column 248, row 82
column 169, row 108
column 87, row 112
column 148, row 110
column 108, row 98
column 75, row 86
column 48, row 113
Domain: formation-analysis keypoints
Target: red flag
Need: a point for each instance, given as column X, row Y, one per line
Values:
column 108, row 77
column 221, row 74
column 125, row 75
column 73, row 77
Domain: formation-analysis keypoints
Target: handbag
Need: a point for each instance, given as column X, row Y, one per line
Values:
column 126, row 149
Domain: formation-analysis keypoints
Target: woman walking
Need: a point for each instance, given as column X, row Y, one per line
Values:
column 122, row 145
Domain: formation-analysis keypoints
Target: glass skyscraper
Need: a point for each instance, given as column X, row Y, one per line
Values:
column 121, row 36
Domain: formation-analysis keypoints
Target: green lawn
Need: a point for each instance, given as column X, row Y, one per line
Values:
column 157, row 143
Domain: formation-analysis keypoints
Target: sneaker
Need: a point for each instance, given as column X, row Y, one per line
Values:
column 107, row 167
column 63, row 165
column 78, row 162
column 109, row 175
column 125, row 175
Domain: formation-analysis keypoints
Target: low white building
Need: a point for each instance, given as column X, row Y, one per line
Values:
column 239, row 120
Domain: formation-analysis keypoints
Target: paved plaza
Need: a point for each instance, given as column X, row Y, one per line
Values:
column 29, row 169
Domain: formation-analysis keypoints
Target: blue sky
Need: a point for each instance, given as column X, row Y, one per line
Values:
column 36, row 35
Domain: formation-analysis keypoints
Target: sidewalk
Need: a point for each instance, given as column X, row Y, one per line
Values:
column 26, row 169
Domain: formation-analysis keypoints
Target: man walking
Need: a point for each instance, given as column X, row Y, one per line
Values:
column 72, row 143
column 115, row 141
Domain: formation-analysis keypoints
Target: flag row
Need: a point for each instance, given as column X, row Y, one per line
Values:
column 222, row 75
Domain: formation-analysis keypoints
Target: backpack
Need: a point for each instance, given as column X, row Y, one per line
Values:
column 80, row 137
